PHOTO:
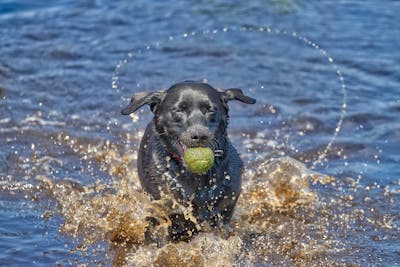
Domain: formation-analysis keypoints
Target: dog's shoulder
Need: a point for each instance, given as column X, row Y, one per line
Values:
column 151, row 153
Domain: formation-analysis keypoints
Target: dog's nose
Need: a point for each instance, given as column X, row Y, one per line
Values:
column 197, row 136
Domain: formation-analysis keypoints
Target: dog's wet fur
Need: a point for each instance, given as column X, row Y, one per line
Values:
column 190, row 114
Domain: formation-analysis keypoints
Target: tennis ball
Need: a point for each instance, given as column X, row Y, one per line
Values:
column 199, row 159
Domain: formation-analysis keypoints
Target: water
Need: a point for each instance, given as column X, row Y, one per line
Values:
column 69, row 192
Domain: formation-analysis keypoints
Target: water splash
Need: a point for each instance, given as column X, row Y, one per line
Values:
column 276, row 201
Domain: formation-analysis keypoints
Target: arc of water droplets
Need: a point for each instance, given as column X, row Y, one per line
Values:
column 322, row 156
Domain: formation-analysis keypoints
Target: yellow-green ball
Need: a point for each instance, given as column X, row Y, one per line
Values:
column 199, row 159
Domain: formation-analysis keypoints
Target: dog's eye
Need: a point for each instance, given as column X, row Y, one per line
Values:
column 206, row 108
column 210, row 111
column 181, row 108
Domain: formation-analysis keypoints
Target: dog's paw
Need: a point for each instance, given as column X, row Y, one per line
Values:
column 181, row 228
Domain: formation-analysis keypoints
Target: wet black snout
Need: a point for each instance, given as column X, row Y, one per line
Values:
column 196, row 136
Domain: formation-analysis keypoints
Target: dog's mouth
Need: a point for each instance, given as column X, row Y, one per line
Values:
column 182, row 147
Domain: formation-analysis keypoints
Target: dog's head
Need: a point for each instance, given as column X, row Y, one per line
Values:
column 189, row 114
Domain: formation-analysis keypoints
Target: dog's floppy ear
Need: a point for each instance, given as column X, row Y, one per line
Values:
column 141, row 99
column 236, row 94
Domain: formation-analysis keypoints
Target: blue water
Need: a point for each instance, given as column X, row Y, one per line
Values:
column 58, row 63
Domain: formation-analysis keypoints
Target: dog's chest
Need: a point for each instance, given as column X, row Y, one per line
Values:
column 200, row 189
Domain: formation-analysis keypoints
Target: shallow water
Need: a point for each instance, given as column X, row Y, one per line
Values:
column 321, row 147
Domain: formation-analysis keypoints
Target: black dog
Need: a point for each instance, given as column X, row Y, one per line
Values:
column 190, row 114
